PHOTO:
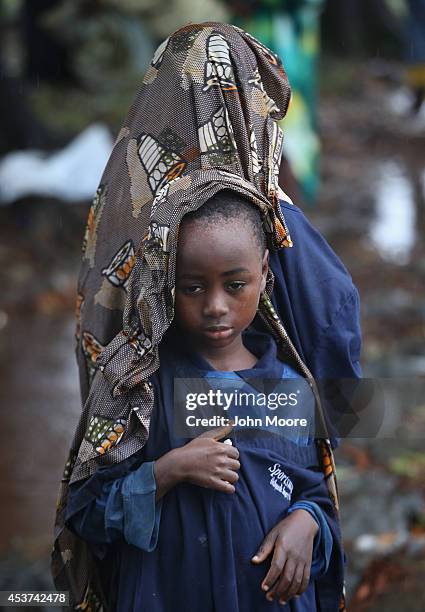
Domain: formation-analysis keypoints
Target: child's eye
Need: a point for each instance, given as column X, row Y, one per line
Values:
column 236, row 285
column 192, row 289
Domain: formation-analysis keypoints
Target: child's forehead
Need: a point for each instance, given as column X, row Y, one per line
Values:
column 217, row 222
column 220, row 245
column 227, row 219
column 211, row 230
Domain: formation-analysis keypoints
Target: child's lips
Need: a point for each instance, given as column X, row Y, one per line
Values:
column 218, row 332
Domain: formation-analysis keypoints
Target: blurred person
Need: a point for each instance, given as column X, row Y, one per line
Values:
column 20, row 128
column 292, row 30
column 363, row 28
column 47, row 56
column 205, row 120
column 415, row 53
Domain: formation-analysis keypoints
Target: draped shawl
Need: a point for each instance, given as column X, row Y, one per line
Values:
column 205, row 119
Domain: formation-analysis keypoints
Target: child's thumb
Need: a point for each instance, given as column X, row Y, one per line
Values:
column 264, row 550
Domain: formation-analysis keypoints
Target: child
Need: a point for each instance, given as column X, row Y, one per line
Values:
column 203, row 123
column 194, row 548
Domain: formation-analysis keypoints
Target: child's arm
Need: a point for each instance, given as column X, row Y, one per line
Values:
column 130, row 506
column 323, row 541
column 306, row 543
column 123, row 507
column 203, row 461
column 291, row 542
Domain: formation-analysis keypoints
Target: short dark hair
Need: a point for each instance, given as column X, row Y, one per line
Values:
column 227, row 205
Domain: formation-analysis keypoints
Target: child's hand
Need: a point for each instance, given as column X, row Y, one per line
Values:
column 291, row 541
column 208, row 463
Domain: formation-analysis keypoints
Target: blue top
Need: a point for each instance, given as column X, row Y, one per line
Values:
column 202, row 532
column 319, row 305
column 127, row 505
column 414, row 48
column 315, row 297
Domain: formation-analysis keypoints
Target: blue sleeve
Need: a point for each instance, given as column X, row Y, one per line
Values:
column 323, row 541
column 315, row 296
column 125, row 507
column 320, row 307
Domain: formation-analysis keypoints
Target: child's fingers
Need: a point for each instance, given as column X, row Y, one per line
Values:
column 276, row 566
column 275, row 573
column 305, row 580
column 233, row 464
column 230, row 476
column 232, row 452
column 295, row 585
column 282, row 587
column 218, row 432
column 223, row 485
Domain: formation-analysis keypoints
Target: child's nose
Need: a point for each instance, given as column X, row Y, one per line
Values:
column 215, row 306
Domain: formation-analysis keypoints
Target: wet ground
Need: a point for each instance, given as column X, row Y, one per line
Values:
column 372, row 211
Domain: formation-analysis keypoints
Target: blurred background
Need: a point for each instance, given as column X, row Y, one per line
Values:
column 354, row 162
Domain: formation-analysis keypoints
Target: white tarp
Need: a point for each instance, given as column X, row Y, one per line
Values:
column 71, row 174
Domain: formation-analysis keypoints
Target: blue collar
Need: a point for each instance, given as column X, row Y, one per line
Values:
column 189, row 364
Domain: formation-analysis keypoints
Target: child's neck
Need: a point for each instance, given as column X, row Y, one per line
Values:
column 230, row 358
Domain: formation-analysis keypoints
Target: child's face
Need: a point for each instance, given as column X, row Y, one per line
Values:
column 220, row 275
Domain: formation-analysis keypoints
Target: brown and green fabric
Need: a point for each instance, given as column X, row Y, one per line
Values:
column 204, row 119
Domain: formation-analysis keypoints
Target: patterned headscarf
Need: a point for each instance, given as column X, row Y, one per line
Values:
column 204, row 119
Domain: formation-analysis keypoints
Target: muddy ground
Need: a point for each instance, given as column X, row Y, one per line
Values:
column 372, row 211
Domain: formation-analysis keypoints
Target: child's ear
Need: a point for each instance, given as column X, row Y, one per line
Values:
column 264, row 269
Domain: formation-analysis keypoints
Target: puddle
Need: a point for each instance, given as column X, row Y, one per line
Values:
column 393, row 231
